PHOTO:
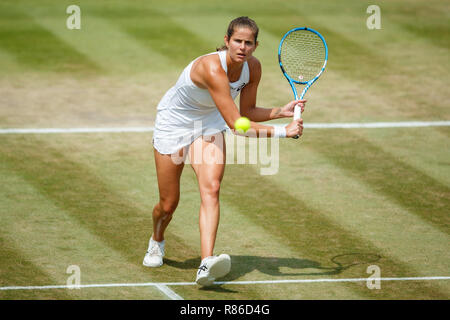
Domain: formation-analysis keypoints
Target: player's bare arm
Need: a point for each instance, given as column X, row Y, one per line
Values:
column 209, row 74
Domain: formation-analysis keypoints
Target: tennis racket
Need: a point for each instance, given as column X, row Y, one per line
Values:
column 303, row 55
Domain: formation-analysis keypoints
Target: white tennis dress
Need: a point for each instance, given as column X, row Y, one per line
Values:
column 186, row 111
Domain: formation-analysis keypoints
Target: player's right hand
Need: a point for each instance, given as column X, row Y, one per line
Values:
column 295, row 128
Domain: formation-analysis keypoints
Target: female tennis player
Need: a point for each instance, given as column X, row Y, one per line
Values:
column 191, row 119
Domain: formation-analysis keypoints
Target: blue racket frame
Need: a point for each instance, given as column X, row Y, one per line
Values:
column 292, row 82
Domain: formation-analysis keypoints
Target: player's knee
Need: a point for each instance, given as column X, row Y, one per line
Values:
column 212, row 189
column 168, row 206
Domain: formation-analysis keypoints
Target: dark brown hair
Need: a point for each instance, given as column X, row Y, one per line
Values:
column 240, row 22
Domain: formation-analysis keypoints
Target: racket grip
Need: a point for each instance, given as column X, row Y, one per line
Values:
column 297, row 112
column 297, row 115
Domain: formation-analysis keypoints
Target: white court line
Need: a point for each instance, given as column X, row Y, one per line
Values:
column 354, row 125
column 75, row 130
column 404, row 124
column 168, row 292
column 162, row 285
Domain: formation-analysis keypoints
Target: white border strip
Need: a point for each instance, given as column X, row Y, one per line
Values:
column 405, row 124
column 355, row 125
column 163, row 285
column 75, row 130
column 168, row 292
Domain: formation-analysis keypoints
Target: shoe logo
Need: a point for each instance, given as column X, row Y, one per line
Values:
column 202, row 268
column 241, row 87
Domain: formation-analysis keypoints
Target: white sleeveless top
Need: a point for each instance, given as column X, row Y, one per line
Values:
column 186, row 111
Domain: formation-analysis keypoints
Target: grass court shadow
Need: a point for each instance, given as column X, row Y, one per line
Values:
column 283, row 267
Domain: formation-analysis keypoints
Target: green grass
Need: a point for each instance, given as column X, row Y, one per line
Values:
column 340, row 201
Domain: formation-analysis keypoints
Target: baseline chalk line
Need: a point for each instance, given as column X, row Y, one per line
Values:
column 163, row 285
column 355, row 125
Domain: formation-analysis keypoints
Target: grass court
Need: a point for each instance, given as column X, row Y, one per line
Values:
column 341, row 200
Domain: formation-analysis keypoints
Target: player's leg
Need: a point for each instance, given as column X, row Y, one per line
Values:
column 168, row 174
column 209, row 171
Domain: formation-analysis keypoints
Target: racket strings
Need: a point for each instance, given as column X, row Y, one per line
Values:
column 302, row 55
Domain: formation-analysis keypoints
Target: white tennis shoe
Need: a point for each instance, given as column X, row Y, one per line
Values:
column 212, row 268
column 155, row 253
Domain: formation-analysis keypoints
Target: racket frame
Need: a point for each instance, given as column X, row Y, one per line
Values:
column 292, row 82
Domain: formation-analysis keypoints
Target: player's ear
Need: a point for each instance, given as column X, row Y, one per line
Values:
column 256, row 44
column 226, row 40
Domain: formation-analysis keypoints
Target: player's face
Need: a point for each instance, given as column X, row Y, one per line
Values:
column 241, row 44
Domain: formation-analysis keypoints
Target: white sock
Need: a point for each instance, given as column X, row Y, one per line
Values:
column 205, row 259
column 160, row 243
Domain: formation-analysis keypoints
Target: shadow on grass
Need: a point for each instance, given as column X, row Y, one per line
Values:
column 281, row 267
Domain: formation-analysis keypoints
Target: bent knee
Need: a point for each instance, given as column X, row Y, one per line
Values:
column 168, row 206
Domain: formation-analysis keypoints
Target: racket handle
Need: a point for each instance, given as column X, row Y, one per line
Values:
column 297, row 115
column 297, row 112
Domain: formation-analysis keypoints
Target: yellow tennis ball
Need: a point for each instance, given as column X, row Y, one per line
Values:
column 242, row 124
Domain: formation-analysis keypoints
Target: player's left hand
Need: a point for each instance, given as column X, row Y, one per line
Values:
column 288, row 110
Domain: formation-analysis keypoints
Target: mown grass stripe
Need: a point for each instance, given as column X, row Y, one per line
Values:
column 73, row 188
column 28, row 216
column 430, row 21
column 15, row 267
column 173, row 47
column 37, row 48
column 427, row 151
column 303, row 228
column 8, row 62
column 106, row 43
column 412, row 189
column 361, row 210
column 104, row 37
column 169, row 45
